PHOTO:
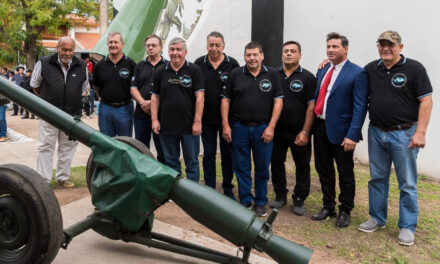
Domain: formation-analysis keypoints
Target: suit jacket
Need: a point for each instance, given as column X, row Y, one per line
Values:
column 346, row 104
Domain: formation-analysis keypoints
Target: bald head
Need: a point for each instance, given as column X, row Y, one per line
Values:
column 65, row 48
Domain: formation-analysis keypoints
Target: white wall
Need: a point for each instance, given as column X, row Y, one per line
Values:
column 362, row 21
column 232, row 18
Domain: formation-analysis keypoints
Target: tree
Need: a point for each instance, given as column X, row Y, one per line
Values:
column 22, row 21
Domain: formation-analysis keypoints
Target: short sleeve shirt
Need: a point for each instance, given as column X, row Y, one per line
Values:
column 177, row 96
column 141, row 80
column 394, row 94
column 299, row 91
column 114, row 80
column 251, row 98
column 214, row 81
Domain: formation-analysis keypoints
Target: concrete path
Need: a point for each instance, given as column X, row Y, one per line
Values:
column 92, row 248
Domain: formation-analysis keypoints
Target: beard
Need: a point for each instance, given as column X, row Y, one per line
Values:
column 66, row 60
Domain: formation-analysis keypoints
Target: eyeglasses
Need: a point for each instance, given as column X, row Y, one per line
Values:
column 151, row 45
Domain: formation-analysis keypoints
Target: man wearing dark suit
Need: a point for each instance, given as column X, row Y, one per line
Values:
column 340, row 109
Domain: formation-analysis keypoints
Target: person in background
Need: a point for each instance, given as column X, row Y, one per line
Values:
column 141, row 92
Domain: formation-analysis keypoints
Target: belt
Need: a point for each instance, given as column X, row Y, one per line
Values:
column 252, row 124
column 396, row 127
column 118, row 104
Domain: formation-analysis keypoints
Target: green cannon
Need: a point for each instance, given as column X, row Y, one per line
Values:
column 127, row 184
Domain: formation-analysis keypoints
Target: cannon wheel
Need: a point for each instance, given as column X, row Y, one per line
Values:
column 136, row 144
column 31, row 225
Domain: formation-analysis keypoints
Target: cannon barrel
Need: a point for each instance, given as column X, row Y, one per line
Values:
column 72, row 126
column 234, row 222
column 219, row 213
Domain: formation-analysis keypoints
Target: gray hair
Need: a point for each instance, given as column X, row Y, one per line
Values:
column 114, row 33
column 177, row 40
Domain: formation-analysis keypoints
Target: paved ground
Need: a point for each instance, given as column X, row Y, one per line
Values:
column 90, row 247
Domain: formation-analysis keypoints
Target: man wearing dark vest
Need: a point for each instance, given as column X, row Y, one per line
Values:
column 60, row 79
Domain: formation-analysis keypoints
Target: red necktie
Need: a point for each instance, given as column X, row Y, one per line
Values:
column 319, row 106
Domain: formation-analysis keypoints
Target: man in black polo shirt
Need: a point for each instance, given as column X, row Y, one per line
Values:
column 251, row 105
column 111, row 78
column 176, row 109
column 216, row 67
column 141, row 92
column 293, row 128
column 400, row 106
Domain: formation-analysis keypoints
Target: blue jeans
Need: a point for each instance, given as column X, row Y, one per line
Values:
column 385, row 148
column 92, row 101
column 3, row 126
column 244, row 140
column 116, row 121
column 142, row 132
column 190, row 148
column 209, row 140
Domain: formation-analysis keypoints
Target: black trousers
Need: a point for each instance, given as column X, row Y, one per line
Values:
column 326, row 154
column 301, row 156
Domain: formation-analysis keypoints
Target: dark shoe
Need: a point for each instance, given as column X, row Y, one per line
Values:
column 248, row 206
column 25, row 117
column 298, row 206
column 260, row 210
column 324, row 214
column 278, row 202
column 32, row 116
column 14, row 114
column 343, row 219
column 230, row 195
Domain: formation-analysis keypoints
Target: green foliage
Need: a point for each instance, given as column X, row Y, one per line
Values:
column 22, row 21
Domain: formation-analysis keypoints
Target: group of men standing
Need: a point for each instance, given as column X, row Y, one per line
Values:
column 259, row 112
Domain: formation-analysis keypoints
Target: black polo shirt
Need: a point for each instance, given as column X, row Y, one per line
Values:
column 141, row 80
column 299, row 91
column 251, row 98
column 114, row 80
column 394, row 94
column 176, row 91
column 214, row 82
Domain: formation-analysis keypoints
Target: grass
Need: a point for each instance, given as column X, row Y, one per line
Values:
column 77, row 176
column 350, row 244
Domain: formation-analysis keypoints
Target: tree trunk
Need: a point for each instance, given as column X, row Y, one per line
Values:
column 103, row 16
column 31, row 53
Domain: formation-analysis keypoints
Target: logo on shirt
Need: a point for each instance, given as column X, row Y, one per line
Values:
column 185, row 80
column 399, row 80
column 296, row 86
column 223, row 76
column 265, row 85
column 124, row 72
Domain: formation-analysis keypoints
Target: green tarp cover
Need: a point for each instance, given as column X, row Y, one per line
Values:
column 126, row 184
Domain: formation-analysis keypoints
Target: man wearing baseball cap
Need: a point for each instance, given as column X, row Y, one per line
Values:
column 400, row 106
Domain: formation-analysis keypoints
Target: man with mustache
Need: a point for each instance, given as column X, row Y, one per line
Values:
column 60, row 79
column 340, row 109
column 111, row 78
column 400, row 105
column 251, row 105
column 177, row 98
